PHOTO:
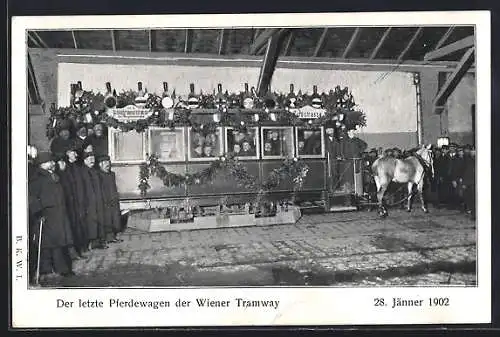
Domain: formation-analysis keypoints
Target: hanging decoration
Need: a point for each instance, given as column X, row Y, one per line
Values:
column 339, row 111
column 292, row 170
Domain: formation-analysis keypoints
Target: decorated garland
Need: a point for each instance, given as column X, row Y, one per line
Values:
column 292, row 169
column 90, row 108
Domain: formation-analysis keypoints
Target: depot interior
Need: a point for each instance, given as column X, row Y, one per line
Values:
column 416, row 85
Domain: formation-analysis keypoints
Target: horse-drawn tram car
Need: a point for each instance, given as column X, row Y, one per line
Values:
column 226, row 160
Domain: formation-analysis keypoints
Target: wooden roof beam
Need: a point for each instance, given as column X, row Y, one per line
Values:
column 75, row 42
column 410, row 44
column 35, row 41
column 152, row 40
column 321, row 42
column 269, row 63
column 289, row 43
column 450, row 48
column 352, row 42
column 445, row 37
column 188, row 42
column 42, row 42
column 455, row 78
column 114, row 40
column 222, row 41
column 33, row 81
column 262, row 39
column 380, row 43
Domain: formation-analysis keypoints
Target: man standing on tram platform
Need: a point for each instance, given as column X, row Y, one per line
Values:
column 342, row 150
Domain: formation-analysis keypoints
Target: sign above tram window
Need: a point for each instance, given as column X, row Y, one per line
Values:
column 130, row 113
column 308, row 112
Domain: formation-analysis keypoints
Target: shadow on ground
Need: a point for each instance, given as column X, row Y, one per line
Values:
column 177, row 275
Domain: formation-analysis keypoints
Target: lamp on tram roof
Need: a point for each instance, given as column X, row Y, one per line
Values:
column 443, row 141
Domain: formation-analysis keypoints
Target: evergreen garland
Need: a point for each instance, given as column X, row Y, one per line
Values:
column 274, row 110
column 291, row 169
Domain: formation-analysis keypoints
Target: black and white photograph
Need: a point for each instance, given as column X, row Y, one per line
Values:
column 355, row 167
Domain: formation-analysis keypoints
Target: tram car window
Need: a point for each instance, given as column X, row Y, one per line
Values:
column 129, row 147
column 167, row 144
column 204, row 147
column 310, row 143
column 277, row 142
column 244, row 144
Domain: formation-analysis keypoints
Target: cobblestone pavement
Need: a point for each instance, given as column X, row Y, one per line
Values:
column 339, row 249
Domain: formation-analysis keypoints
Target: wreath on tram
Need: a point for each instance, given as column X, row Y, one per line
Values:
column 89, row 108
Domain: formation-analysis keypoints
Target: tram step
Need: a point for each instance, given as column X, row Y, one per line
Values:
column 341, row 208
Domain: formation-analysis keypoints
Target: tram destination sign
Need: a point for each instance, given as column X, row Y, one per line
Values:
column 308, row 112
column 130, row 113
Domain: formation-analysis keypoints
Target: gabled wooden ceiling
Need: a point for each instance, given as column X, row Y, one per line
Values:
column 387, row 43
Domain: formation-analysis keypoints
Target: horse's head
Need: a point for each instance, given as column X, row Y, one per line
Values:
column 425, row 152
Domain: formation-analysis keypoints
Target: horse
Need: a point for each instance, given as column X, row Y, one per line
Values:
column 411, row 170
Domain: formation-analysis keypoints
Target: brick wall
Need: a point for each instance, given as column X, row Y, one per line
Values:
column 45, row 67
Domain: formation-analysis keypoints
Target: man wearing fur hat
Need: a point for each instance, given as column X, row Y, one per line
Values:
column 56, row 236
column 99, row 140
column 94, row 211
column 111, row 199
column 82, row 140
column 61, row 142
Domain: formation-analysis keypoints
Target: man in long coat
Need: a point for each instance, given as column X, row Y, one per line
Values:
column 35, row 207
column 342, row 150
column 469, row 181
column 111, row 199
column 56, row 235
column 457, row 167
column 68, row 184
column 78, row 206
column 94, row 210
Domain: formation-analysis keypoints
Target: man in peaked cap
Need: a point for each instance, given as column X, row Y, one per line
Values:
column 56, row 235
column 111, row 199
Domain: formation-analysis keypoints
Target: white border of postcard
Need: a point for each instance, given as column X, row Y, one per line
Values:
column 298, row 306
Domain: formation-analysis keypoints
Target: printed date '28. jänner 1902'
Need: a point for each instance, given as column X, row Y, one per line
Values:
column 414, row 302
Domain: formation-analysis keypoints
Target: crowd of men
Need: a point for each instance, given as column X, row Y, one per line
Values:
column 73, row 201
column 453, row 185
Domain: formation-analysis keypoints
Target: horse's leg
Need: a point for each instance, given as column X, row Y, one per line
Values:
column 381, row 188
column 420, row 187
column 410, row 196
